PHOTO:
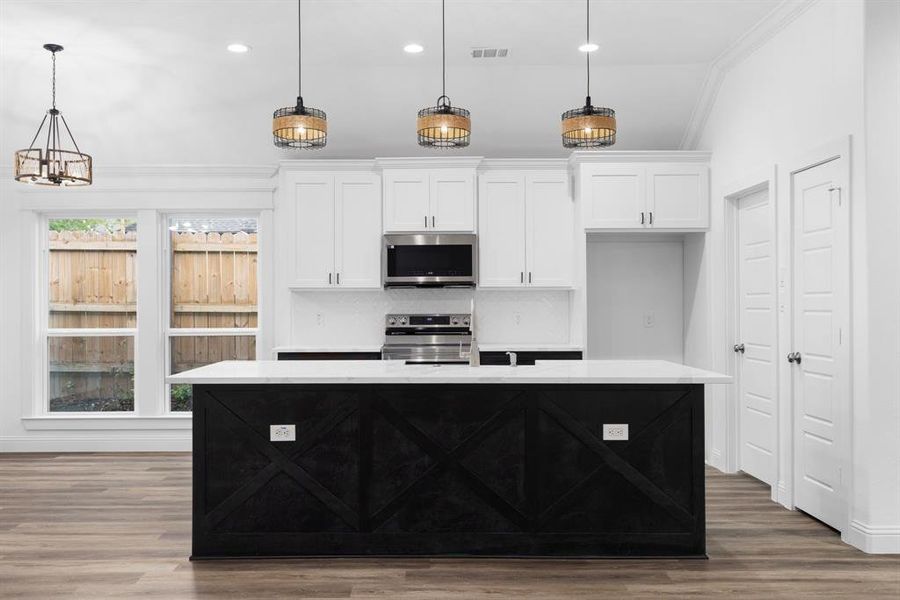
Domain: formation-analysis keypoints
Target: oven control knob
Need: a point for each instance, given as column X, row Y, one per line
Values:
column 403, row 320
column 454, row 321
column 465, row 321
column 392, row 321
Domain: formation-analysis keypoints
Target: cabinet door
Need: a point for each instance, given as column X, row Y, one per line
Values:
column 678, row 196
column 549, row 230
column 357, row 244
column 406, row 200
column 313, row 232
column 452, row 201
column 613, row 196
column 501, row 230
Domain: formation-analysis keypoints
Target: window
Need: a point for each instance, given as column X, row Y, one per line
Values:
column 92, row 314
column 213, row 295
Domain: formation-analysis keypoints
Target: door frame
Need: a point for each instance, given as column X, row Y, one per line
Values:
column 764, row 178
column 840, row 150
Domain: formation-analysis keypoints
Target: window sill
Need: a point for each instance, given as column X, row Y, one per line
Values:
column 87, row 422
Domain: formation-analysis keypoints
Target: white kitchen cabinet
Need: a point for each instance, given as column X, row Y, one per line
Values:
column 337, row 229
column 525, row 226
column 678, row 196
column 636, row 196
column 549, row 230
column 501, row 226
column 429, row 200
column 357, row 231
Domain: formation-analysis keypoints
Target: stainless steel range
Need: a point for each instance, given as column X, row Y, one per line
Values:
column 427, row 339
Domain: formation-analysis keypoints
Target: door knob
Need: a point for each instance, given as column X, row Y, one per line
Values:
column 739, row 348
column 794, row 357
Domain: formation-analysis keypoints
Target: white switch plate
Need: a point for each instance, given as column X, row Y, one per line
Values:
column 649, row 319
column 615, row 432
column 282, row 433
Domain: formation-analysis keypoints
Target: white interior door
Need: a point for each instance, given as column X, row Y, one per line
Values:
column 501, row 230
column 820, row 381
column 549, row 230
column 357, row 215
column 757, row 336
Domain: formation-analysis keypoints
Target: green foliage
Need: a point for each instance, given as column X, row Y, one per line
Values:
column 89, row 224
column 182, row 397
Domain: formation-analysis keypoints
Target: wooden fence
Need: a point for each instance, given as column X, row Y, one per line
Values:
column 93, row 283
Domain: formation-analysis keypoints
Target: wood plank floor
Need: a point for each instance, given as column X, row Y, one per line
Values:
column 118, row 526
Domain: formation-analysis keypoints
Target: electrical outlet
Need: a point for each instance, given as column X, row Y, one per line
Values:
column 282, row 433
column 518, row 319
column 319, row 320
column 615, row 432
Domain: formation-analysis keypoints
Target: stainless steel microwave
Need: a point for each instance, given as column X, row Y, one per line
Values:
column 430, row 260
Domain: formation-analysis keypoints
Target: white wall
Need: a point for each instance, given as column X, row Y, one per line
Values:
column 627, row 283
column 356, row 319
column 802, row 89
column 876, row 483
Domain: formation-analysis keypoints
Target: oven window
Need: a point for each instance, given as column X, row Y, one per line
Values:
column 430, row 261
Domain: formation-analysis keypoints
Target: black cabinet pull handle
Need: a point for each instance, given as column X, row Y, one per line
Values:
column 642, row 217
column 432, row 220
column 339, row 279
column 521, row 276
column 426, row 221
column 651, row 217
column 329, row 279
column 529, row 276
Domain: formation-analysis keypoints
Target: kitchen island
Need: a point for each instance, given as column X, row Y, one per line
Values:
column 379, row 458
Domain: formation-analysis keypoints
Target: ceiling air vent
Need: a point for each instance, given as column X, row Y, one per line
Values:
column 490, row 52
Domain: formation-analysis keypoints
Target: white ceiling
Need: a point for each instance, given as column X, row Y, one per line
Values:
column 150, row 82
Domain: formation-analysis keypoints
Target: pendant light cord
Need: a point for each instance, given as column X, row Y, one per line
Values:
column 588, row 54
column 443, row 50
column 299, row 56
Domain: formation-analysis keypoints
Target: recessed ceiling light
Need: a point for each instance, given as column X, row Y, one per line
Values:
column 589, row 47
column 238, row 48
column 413, row 48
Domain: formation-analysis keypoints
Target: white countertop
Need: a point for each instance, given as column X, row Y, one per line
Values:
column 395, row 371
column 328, row 349
column 481, row 347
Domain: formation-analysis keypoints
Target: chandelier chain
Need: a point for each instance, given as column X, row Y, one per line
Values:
column 53, row 78
column 443, row 50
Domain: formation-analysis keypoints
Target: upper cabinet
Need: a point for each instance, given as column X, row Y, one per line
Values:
column 429, row 200
column 526, row 226
column 653, row 195
column 336, row 230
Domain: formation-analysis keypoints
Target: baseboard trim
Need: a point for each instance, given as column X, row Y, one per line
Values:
column 873, row 539
column 177, row 442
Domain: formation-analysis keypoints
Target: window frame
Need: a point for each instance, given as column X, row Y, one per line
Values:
column 45, row 332
column 168, row 331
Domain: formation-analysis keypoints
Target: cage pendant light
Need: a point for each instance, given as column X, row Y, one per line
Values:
column 52, row 164
column 588, row 126
column 443, row 125
column 299, row 126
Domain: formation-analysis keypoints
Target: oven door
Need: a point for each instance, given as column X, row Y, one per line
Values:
column 430, row 260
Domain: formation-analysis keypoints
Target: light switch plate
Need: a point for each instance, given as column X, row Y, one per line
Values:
column 615, row 432
column 282, row 433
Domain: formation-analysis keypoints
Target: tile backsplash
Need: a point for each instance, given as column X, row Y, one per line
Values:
column 350, row 318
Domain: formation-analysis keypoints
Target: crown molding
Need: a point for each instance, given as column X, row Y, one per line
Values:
column 580, row 157
column 429, row 162
column 530, row 164
column 764, row 30
column 320, row 165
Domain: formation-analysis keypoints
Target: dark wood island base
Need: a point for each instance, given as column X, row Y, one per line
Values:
column 514, row 470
